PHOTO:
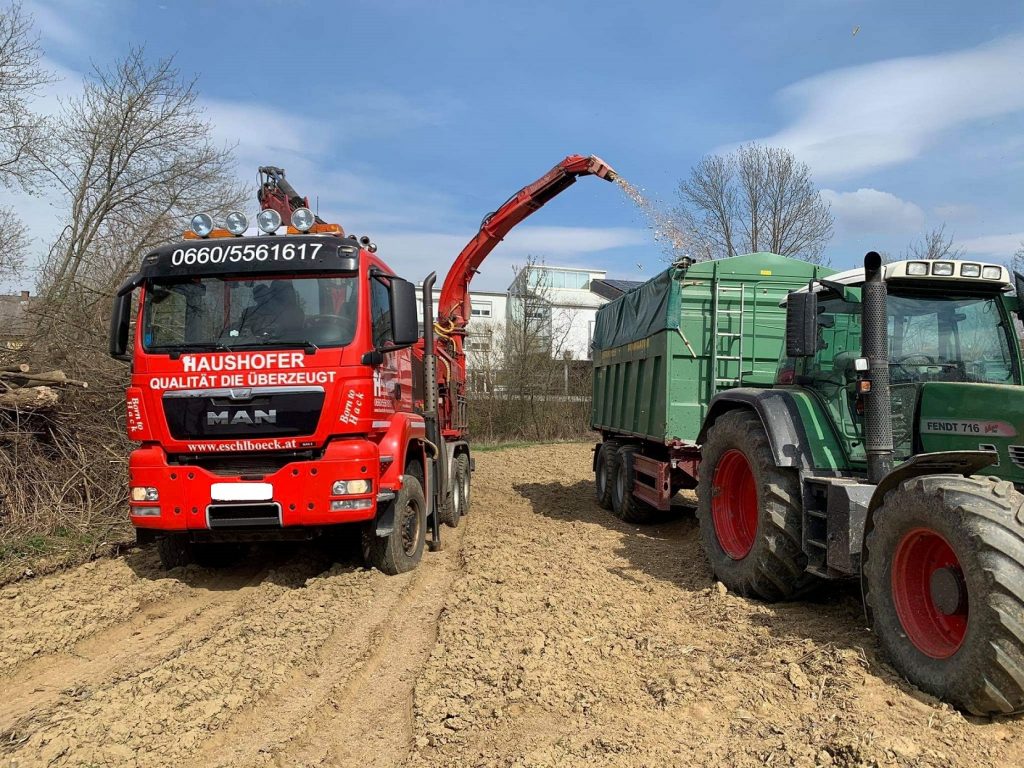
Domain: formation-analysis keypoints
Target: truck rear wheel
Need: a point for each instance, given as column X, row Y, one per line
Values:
column 606, row 466
column 944, row 582
column 464, row 481
column 625, row 505
column 402, row 549
column 749, row 512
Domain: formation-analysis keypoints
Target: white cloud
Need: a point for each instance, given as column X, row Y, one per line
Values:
column 857, row 119
column 873, row 211
column 1001, row 246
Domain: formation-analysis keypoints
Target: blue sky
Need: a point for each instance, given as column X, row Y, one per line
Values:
column 411, row 120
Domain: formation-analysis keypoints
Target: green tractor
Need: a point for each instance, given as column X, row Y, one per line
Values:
column 888, row 447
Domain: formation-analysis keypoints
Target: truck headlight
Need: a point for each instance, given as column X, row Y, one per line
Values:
column 303, row 219
column 970, row 270
column 202, row 224
column 343, row 505
column 268, row 220
column 351, row 487
column 236, row 223
column 145, row 493
column 942, row 268
column 917, row 268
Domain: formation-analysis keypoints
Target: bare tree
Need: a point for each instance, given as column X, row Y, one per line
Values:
column 1017, row 260
column 934, row 244
column 756, row 198
column 21, row 77
column 133, row 156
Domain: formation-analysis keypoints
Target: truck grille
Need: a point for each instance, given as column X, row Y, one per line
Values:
column 262, row 515
column 248, row 465
column 212, row 414
column 1017, row 455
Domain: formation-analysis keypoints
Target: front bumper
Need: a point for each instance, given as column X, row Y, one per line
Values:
column 301, row 490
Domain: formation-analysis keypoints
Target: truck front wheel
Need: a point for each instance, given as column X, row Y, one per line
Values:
column 749, row 512
column 402, row 549
column 944, row 582
column 175, row 550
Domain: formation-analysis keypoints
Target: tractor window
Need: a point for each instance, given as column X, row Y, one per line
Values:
column 948, row 338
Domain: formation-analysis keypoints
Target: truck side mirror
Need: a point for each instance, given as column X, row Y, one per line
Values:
column 404, row 323
column 120, row 320
column 802, row 324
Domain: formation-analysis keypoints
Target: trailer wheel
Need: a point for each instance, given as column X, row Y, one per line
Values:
column 606, row 466
column 175, row 550
column 749, row 512
column 944, row 583
column 402, row 549
column 463, row 479
column 625, row 505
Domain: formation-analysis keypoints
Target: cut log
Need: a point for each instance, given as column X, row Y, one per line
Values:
column 28, row 399
column 19, row 368
column 52, row 378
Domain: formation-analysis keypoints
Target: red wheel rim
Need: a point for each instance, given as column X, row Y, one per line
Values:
column 734, row 504
column 936, row 633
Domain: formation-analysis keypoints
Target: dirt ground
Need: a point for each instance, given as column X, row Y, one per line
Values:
column 546, row 634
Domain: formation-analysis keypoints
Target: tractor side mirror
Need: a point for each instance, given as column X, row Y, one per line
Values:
column 802, row 324
column 1018, row 284
column 405, row 329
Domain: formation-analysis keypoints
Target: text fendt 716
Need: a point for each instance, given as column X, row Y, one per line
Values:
column 280, row 386
column 866, row 424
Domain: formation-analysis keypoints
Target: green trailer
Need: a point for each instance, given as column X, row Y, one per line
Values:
column 866, row 424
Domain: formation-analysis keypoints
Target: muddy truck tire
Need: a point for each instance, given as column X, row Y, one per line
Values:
column 401, row 550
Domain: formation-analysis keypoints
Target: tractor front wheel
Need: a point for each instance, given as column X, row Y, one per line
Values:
column 749, row 512
column 944, row 583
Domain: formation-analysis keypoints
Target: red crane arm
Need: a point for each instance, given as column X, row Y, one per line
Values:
column 453, row 307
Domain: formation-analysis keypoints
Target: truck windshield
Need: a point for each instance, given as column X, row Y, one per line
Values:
column 218, row 312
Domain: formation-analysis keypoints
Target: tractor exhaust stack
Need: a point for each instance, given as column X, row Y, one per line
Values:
column 875, row 347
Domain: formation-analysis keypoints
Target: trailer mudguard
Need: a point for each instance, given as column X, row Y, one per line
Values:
column 799, row 431
column 964, row 463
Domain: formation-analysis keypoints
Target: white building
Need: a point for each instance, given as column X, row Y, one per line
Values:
column 557, row 305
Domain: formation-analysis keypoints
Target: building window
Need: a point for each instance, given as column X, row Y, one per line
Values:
column 480, row 309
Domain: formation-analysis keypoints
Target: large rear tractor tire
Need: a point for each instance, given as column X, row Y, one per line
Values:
column 625, row 506
column 606, row 466
column 402, row 549
column 749, row 512
column 944, row 583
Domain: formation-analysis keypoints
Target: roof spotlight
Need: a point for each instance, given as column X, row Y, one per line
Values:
column 236, row 222
column 202, row 224
column 303, row 219
column 372, row 247
column 364, row 241
column 268, row 220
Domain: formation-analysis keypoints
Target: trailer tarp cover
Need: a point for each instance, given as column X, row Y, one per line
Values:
column 652, row 307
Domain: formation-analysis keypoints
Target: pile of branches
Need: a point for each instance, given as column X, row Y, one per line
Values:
column 63, row 463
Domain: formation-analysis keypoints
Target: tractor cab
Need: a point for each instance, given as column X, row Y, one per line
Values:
column 951, row 349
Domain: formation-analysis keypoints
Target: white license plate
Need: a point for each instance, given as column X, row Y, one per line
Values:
column 241, row 491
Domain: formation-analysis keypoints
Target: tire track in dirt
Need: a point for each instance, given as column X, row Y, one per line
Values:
column 357, row 707
column 149, row 636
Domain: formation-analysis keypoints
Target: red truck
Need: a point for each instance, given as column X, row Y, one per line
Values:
column 281, row 387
